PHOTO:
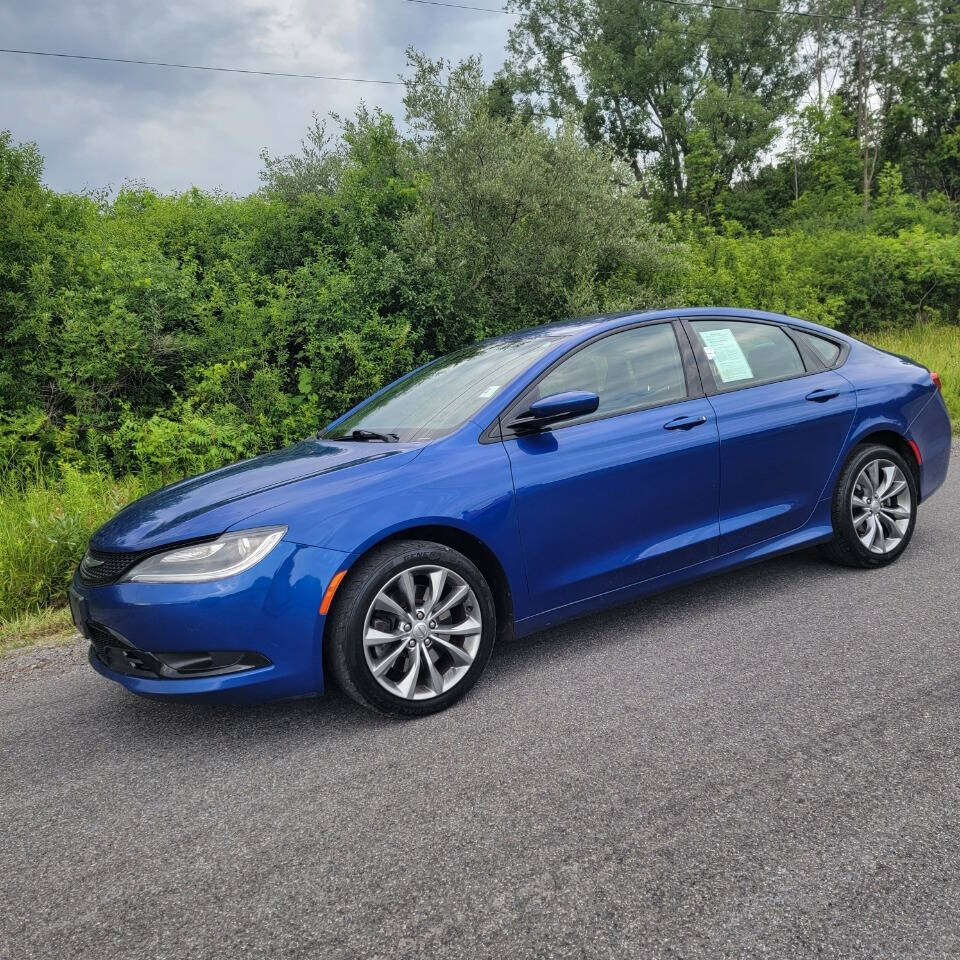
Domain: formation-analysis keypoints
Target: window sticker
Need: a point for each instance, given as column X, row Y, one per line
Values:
column 727, row 356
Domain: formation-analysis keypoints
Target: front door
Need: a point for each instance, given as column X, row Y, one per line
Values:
column 630, row 491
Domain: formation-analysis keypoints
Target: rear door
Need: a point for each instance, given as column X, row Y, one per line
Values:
column 628, row 492
column 782, row 418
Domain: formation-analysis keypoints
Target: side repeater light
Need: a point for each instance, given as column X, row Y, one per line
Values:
column 330, row 591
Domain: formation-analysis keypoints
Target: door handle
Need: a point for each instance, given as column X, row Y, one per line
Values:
column 684, row 423
column 821, row 396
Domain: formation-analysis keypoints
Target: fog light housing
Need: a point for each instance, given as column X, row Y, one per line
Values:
column 210, row 663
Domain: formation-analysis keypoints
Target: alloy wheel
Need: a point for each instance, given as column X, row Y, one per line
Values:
column 881, row 506
column 422, row 632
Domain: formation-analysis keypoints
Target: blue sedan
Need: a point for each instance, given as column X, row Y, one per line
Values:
column 509, row 486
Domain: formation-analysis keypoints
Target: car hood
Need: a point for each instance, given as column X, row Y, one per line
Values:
column 211, row 503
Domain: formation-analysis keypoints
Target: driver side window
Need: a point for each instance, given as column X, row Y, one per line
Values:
column 640, row 367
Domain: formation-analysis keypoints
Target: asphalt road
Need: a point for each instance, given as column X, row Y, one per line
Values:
column 763, row 765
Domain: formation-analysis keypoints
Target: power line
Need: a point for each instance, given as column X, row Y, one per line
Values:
column 796, row 13
column 465, row 6
column 510, row 13
column 459, row 6
column 194, row 66
column 715, row 6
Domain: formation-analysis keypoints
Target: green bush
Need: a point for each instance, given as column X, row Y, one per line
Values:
column 738, row 269
column 44, row 527
column 168, row 334
column 855, row 280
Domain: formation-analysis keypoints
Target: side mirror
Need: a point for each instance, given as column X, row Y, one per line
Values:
column 556, row 407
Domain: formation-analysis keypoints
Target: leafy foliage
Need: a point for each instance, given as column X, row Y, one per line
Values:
column 169, row 334
column 689, row 96
column 523, row 227
column 44, row 528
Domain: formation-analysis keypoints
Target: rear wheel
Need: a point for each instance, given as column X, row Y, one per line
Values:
column 412, row 629
column 874, row 508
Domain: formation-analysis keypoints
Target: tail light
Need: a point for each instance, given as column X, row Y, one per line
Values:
column 937, row 382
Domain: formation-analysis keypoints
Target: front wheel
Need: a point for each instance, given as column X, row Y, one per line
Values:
column 874, row 508
column 412, row 628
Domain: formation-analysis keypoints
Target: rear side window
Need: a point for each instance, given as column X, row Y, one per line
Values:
column 825, row 349
column 741, row 353
column 640, row 367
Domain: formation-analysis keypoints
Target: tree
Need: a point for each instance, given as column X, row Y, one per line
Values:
column 893, row 58
column 516, row 225
column 917, row 129
column 314, row 170
column 668, row 86
column 830, row 155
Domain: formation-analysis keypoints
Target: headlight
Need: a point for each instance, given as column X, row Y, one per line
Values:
column 232, row 553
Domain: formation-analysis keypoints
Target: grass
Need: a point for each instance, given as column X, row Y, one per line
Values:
column 936, row 346
column 45, row 522
column 49, row 626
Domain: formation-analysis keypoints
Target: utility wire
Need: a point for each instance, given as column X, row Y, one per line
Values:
column 797, row 13
column 277, row 73
column 456, row 6
column 194, row 66
column 459, row 6
column 714, row 6
column 465, row 6
column 710, row 35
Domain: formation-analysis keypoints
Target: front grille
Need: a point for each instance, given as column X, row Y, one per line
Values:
column 98, row 568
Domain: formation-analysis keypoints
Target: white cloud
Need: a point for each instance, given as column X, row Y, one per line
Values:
column 101, row 124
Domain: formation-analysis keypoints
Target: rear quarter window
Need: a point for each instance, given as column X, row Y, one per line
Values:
column 827, row 350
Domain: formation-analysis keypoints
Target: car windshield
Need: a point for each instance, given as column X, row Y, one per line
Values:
column 446, row 393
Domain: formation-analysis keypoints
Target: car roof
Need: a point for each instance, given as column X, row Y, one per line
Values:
column 582, row 328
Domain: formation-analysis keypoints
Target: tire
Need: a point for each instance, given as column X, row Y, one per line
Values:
column 444, row 654
column 856, row 511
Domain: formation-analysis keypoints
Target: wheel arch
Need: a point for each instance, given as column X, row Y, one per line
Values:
column 896, row 441
column 472, row 547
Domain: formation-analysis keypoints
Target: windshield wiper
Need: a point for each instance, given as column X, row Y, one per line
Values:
column 370, row 435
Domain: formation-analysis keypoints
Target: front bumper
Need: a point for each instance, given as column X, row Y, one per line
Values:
column 255, row 636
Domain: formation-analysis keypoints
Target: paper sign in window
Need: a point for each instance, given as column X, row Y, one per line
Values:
column 722, row 348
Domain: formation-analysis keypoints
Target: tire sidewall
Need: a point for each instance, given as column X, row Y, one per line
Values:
column 351, row 619
column 843, row 519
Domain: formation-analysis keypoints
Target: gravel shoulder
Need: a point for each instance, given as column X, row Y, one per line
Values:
column 33, row 662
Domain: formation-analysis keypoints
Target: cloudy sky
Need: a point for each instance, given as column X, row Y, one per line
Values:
column 102, row 124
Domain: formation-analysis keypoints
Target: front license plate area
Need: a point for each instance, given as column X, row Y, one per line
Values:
column 78, row 612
